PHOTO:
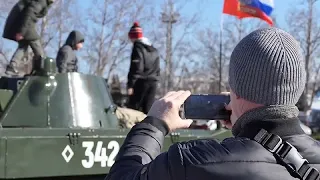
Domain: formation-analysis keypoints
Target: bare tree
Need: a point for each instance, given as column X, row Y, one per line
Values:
column 178, row 34
column 209, row 51
column 236, row 29
column 233, row 31
column 305, row 26
column 108, row 42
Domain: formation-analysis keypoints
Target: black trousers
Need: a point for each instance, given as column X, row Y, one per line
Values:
column 144, row 92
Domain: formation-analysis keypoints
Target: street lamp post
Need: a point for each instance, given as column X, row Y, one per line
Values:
column 169, row 19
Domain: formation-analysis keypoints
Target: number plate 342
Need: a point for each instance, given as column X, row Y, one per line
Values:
column 97, row 153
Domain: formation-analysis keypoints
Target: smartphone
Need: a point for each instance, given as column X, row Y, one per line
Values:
column 206, row 107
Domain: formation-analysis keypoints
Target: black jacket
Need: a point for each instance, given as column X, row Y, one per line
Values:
column 234, row 158
column 66, row 58
column 23, row 19
column 145, row 63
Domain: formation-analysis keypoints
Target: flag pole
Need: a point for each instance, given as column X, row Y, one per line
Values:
column 220, row 56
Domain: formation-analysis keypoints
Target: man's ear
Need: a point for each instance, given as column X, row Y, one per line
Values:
column 237, row 97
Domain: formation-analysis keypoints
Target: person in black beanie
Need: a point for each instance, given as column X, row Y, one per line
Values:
column 144, row 72
column 266, row 76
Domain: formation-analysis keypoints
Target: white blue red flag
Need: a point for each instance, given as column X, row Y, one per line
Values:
column 250, row 8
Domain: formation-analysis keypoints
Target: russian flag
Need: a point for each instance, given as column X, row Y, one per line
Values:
column 250, row 8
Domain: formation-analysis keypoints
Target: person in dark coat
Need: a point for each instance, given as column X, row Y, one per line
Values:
column 266, row 77
column 144, row 72
column 20, row 26
column 66, row 58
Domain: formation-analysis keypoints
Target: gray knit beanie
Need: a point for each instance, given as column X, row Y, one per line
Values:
column 267, row 67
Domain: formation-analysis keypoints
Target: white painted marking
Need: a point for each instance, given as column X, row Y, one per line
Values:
column 100, row 154
column 67, row 157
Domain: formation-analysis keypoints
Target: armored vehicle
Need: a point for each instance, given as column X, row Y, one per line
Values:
column 63, row 126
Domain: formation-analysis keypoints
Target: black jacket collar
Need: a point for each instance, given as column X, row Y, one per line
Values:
column 280, row 127
column 280, row 120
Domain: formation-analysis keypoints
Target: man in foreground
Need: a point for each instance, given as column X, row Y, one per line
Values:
column 21, row 27
column 267, row 77
column 144, row 72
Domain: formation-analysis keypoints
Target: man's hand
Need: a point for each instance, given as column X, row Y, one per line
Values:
column 19, row 37
column 167, row 109
column 130, row 91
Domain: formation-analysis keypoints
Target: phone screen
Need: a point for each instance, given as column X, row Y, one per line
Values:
column 206, row 107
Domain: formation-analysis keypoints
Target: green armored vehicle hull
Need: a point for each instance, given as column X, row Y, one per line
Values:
column 63, row 126
column 47, row 154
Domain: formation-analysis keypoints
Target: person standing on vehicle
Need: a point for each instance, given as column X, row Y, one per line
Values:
column 144, row 72
column 67, row 60
column 266, row 77
column 20, row 26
